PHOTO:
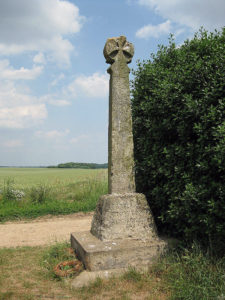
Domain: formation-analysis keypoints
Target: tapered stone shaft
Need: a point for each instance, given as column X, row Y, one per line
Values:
column 123, row 231
column 119, row 53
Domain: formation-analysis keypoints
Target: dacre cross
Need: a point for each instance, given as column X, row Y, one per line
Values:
column 123, row 231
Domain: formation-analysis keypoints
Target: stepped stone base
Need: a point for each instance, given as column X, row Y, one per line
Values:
column 123, row 234
column 121, row 253
column 121, row 216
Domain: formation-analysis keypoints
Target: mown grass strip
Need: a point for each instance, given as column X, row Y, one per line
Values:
column 187, row 275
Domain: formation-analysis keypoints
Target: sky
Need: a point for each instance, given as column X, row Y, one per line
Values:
column 53, row 79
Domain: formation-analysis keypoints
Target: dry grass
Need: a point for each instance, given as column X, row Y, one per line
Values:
column 22, row 277
column 147, row 288
column 26, row 274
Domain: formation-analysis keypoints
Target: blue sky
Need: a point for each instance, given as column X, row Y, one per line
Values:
column 53, row 80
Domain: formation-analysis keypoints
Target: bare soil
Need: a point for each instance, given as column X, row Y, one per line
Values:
column 43, row 230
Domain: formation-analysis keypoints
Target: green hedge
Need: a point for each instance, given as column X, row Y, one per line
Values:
column 178, row 103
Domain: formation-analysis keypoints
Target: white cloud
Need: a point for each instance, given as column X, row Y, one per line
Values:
column 19, row 109
column 9, row 73
column 53, row 100
column 59, row 102
column 39, row 58
column 39, row 26
column 94, row 86
column 191, row 13
column 13, row 143
column 154, row 30
column 78, row 139
column 52, row 134
column 57, row 79
column 22, row 116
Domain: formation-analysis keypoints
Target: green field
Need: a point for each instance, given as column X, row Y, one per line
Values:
column 31, row 192
column 27, row 177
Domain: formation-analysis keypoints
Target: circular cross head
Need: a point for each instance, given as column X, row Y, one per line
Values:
column 118, row 45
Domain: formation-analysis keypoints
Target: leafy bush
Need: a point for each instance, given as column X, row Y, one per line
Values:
column 179, row 136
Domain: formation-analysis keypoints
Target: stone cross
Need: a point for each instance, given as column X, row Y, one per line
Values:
column 118, row 52
column 123, row 231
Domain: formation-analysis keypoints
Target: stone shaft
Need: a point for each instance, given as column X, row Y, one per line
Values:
column 120, row 140
column 123, row 232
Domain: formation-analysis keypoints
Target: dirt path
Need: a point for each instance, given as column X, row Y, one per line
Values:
column 44, row 230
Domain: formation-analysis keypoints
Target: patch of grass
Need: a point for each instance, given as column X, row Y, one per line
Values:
column 15, row 211
column 192, row 274
column 132, row 275
column 131, row 285
column 56, row 195
column 26, row 273
column 53, row 255
column 40, row 193
column 6, row 295
column 23, row 277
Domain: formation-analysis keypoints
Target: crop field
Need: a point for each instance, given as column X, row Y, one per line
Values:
column 27, row 177
column 31, row 192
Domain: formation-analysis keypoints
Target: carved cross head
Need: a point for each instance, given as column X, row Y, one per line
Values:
column 117, row 49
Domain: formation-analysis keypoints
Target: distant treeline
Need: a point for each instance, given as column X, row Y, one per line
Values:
column 73, row 165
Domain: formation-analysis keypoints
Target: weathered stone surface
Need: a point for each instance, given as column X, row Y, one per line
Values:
column 119, row 52
column 123, row 216
column 122, row 253
column 123, row 232
column 87, row 277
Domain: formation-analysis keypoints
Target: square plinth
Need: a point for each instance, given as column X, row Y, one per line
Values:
column 122, row 253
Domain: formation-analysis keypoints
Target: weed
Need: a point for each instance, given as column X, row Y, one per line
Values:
column 54, row 255
column 39, row 194
column 132, row 275
column 93, row 288
column 192, row 274
column 6, row 295
column 7, row 192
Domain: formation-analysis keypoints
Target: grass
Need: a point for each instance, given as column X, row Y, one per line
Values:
column 27, row 177
column 26, row 273
column 193, row 274
column 49, row 191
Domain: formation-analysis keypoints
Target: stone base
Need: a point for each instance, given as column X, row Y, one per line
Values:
column 122, row 216
column 87, row 277
column 121, row 253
